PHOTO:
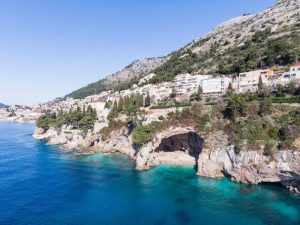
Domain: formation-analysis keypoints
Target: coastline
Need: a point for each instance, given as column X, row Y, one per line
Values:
column 17, row 120
column 220, row 160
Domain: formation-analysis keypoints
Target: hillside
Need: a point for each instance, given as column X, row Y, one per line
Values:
column 121, row 79
column 266, row 39
column 2, row 105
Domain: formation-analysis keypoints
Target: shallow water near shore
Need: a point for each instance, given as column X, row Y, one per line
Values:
column 39, row 184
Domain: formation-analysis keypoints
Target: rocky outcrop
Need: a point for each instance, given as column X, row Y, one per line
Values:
column 183, row 146
column 119, row 141
column 180, row 151
column 252, row 167
column 70, row 140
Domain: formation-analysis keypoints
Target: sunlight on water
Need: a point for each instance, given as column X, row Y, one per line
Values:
column 40, row 184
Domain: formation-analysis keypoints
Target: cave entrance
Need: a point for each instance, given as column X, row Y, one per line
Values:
column 190, row 143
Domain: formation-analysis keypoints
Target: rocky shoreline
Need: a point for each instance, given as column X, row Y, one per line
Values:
column 212, row 157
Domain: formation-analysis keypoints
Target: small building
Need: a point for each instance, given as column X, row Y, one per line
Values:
column 215, row 86
column 295, row 71
column 188, row 83
column 248, row 81
column 292, row 74
column 97, row 105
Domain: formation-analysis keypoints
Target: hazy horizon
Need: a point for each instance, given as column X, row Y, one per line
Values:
column 50, row 48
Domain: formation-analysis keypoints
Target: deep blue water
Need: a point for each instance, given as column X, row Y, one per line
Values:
column 39, row 184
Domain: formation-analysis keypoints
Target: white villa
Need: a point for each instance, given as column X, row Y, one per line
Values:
column 248, row 81
column 215, row 86
column 186, row 82
column 294, row 73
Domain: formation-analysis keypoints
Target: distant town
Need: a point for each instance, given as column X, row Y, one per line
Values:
column 181, row 89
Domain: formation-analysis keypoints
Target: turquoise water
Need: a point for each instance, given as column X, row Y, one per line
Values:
column 41, row 185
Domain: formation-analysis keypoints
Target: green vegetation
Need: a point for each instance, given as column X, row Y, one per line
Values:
column 147, row 101
column 129, row 105
column 166, row 106
column 258, row 51
column 112, row 126
column 90, row 89
column 78, row 119
column 192, row 116
column 254, row 124
column 143, row 134
column 262, row 50
column 251, row 121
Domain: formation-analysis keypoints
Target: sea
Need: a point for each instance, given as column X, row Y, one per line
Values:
column 40, row 184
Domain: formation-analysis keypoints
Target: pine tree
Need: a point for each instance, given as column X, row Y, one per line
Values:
column 147, row 100
column 260, row 85
column 120, row 104
column 107, row 105
column 200, row 93
column 141, row 100
column 126, row 102
column 230, row 86
column 113, row 112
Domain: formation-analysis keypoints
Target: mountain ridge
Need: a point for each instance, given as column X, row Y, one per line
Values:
column 236, row 45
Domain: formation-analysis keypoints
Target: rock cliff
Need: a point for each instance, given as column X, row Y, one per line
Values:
column 211, row 157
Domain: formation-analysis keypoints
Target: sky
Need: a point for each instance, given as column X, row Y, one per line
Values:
column 49, row 48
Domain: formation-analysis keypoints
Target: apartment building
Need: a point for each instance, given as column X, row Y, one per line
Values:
column 292, row 74
column 186, row 82
column 216, row 86
column 248, row 81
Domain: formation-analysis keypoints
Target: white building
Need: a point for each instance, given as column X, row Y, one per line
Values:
column 294, row 73
column 98, row 105
column 217, row 85
column 248, row 81
column 186, row 82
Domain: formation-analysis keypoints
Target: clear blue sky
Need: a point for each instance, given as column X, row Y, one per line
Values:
column 49, row 48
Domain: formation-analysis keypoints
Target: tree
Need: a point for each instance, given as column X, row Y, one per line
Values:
column 142, row 135
column 147, row 100
column 260, row 85
column 253, row 109
column 120, row 104
column 113, row 112
column 173, row 94
column 265, row 106
column 108, row 104
column 200, row 93
column 230, row 89
column 235, row 107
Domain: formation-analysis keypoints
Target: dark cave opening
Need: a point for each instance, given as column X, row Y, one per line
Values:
column 190, row 142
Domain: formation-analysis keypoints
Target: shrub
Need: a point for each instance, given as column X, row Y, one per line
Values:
column 265, row 106
column 142, row 135
column 270, row 149
column 161, row 118
column 235, row 107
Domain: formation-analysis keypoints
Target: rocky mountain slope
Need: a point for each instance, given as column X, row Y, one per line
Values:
column 121, row 79
column 265, row 39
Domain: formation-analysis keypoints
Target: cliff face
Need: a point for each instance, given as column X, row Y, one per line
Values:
column 252, row 167
column 183, row 146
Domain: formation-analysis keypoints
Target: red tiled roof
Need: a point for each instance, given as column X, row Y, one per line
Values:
column 296, row 65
